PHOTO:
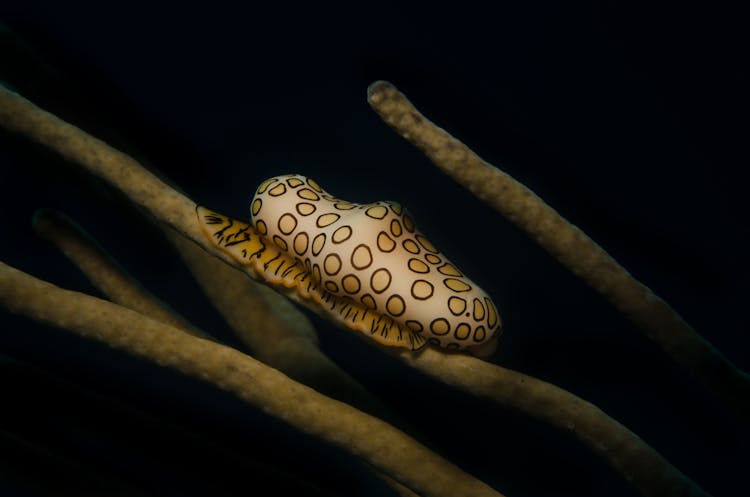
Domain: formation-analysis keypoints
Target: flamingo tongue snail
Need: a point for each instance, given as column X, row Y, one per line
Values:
column 366, row 265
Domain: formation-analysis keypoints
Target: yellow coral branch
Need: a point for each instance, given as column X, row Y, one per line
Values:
column 369, row 438
column 568, row 244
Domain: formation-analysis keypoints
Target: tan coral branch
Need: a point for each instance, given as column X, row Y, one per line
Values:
column 625, row 451
column 277, row 333
column 568, row 244
column 142, row 187
column 104, row 272
column 385, row 448
column 286, row 339
column 116, row 168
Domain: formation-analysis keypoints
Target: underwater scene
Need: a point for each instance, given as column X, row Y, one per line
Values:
column 386, row 249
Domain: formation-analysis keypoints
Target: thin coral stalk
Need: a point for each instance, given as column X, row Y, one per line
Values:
column 568, row 244
column 380, row 445
column 142, row 187
column 84, row 408
column 104, row 272
column 625, row 451
column 286, row 340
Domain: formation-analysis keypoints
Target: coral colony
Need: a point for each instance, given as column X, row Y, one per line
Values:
column 365, row 268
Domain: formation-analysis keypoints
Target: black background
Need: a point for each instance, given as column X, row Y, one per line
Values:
column 627, row 117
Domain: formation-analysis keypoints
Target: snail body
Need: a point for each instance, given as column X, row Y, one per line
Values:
column 367, row 265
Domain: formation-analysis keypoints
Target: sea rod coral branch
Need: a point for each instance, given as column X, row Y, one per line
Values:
column 141, row 186
column 568, row 244
column 285, row 341
column 382, row 446
column 625, row 451
column 104, row 272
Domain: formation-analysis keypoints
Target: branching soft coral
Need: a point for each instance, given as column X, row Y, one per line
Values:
column 367, row 437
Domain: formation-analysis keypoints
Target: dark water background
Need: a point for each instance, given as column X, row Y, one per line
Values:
column 622, row 115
